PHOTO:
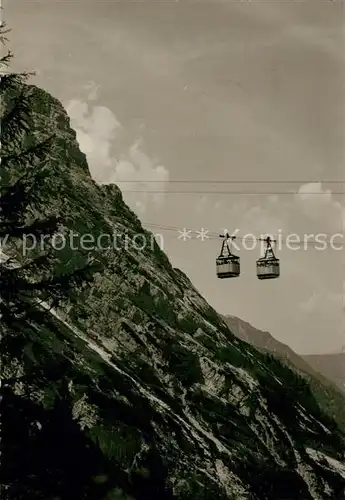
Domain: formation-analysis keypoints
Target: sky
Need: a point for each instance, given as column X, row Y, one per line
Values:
column 212, row 92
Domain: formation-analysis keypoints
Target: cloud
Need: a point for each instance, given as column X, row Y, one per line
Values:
column 207, row 206
column 323, row 303
column 136, row 171
column 314, row 193
column 93, row 89
column 319, row 204
column 261, row 221
column 115, row 157
column 202, row 205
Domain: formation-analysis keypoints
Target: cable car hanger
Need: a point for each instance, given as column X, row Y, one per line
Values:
column 226, row 237
column 269, row 250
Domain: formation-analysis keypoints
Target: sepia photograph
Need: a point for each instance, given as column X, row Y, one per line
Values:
column 172, row 249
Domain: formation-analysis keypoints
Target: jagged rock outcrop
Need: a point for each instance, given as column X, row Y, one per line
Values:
column 138, row 389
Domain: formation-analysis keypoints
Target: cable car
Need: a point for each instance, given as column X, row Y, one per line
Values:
column 268, row 267
column 228, row 266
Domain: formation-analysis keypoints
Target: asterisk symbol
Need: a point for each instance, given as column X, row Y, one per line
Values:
column 202, row 234
column 184, row 234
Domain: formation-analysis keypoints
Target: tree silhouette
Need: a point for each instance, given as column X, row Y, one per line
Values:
column 23, row 169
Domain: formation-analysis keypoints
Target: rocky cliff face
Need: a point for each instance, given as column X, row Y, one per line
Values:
column 323, row 372
column 331, row 366
column 138, row 389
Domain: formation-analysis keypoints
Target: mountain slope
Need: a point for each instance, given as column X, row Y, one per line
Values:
column 331, row 366
column 265, row 341
column 139, row 389
column 325, row 388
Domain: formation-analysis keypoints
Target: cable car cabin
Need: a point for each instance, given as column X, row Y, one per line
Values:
column 228, row 267
column 268, row 267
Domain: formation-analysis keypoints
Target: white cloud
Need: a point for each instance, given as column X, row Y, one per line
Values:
column 208, row 207
column 138, row 172
column 100, row 135
column 323, row 303
column 261, row 221
column 202, row 205
column 93, row 89
column 273, row 199
column 313, row 192
column 319, row 204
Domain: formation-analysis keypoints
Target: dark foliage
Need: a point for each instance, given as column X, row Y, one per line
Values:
column 23, row 171
column 27, row 457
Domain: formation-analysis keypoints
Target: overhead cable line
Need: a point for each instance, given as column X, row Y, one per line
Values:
column 213, row 235
column 153, row 191
column 232, row 181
